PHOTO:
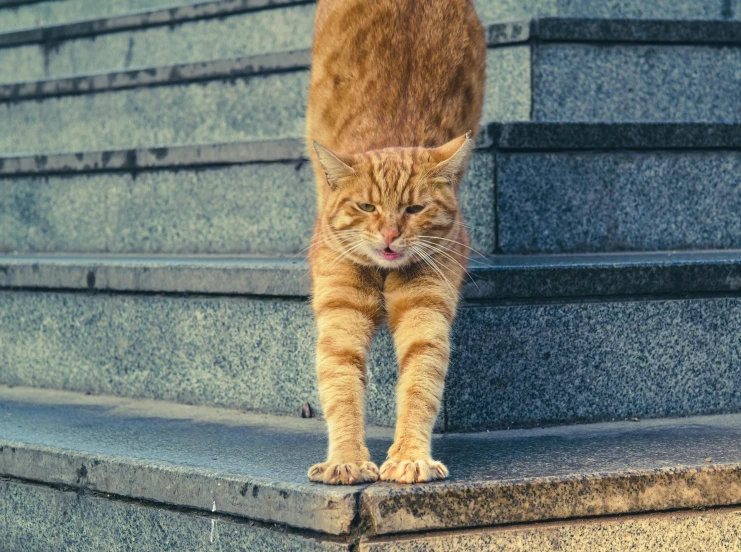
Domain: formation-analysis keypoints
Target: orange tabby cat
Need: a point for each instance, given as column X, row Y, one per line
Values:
column 396, row 86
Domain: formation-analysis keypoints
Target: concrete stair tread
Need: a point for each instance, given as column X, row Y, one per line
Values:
column 502, row 277
column 253, row 466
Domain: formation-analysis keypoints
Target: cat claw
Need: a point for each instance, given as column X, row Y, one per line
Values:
column 413, row 471
column 343, row 473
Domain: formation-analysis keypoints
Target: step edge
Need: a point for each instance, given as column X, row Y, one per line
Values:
column 395, row 510
column 147, row 77
column 512, row 137
column 54, row 465
column 498, row 278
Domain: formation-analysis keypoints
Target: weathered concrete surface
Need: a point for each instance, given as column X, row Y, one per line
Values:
column 561, row 473
column 184, row 456
column 678, row 532
column 37, row 518
column 254, row 466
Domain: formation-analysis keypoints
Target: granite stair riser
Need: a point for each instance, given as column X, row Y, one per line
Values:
column 38, row 518
column 197, row 113
column 603, row 201
column 512, row 365
column 263, row 208
column 242, row 34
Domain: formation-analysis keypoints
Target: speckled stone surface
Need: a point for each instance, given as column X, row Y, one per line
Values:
column 519, row 365
column 562, row 473
column 250, row 466
column 178, row 455
column 37, row 518
column 562, row 363
column 201, row 113
column 252, row 209
column 55, row 12
column 508, row 86
column 257, row 208
column 581, row 82
column 656, row 9
column 238, row 353
column 260, row 32
column 618, row 201
column 679, row 532
column 498, row 10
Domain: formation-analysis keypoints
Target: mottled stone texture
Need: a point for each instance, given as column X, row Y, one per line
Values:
column 56, row 12
column 260, row 208
column 529, row 365
column 582, row 82
column 581, row 202
column 201, row 113
column 239, row 353
column 508, row 86
column 253, row 209
column 239, row 35
column 522, row 365
column 37, row 519
column 498, row 10
column 678, row 532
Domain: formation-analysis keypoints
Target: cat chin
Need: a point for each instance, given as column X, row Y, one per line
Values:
column 401, row 262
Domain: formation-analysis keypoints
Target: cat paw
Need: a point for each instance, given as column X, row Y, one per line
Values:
column 334, row 473
column 413, row 471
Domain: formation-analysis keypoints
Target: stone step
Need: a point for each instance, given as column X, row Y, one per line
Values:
column 538, row 340
column 530, row 188
column 550, row 69
column 153, row 474
column 24, row 14
column 190, row 33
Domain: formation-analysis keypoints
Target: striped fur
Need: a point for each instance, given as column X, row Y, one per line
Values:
column 396, row 86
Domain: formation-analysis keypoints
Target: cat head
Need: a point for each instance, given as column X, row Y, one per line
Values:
column 385, row 207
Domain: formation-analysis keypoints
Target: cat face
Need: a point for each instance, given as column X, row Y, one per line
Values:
column 393, row 207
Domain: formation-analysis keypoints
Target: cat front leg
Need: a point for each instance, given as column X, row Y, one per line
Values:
column 420, row 313
column 348, row 311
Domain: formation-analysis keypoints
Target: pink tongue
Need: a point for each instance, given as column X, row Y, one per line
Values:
column 390, row 256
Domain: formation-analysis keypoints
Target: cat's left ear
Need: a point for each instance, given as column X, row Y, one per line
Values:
column 335, row 167
column 452, row 159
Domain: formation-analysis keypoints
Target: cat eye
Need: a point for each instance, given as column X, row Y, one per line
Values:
column 367, row 207
column 414, row 209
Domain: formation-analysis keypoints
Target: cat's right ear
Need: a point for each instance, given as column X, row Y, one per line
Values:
column 336, row 168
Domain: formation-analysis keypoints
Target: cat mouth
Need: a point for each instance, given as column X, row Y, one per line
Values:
column 391, row 255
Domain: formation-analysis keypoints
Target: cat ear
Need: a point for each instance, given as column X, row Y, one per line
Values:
column 452, row 158
column 334, row 166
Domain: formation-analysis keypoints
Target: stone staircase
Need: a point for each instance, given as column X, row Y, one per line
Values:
column 155, row 201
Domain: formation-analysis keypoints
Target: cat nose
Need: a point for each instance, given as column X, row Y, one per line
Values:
column 389, row 233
